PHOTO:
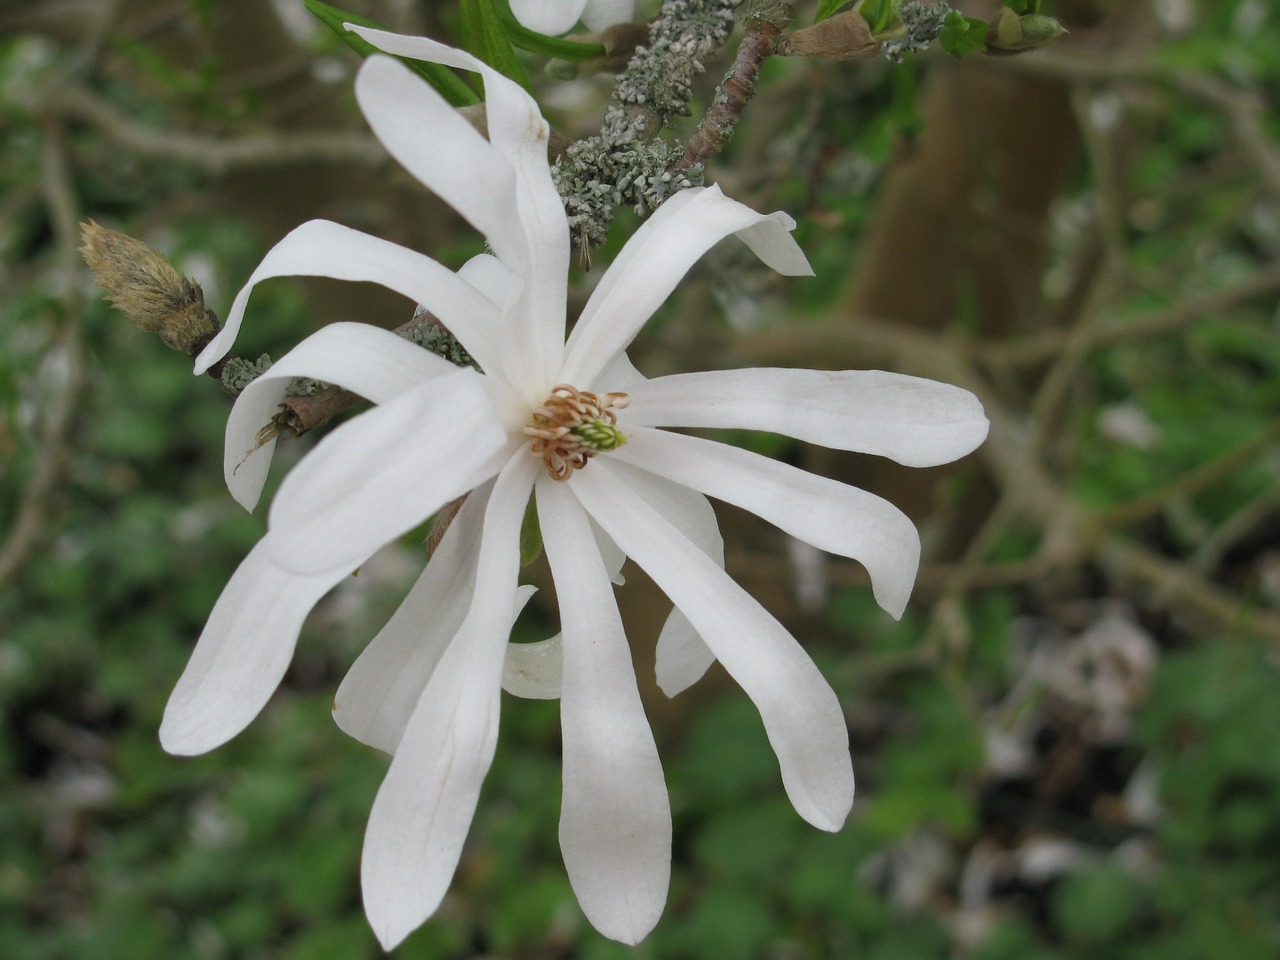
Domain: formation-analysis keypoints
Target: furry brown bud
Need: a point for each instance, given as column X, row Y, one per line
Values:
column 846, row 36
column 145, row 287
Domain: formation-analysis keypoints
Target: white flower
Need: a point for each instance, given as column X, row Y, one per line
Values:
column 427, row 688
column 558, row 16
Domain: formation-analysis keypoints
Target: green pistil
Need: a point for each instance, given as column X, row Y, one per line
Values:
column 599, row 435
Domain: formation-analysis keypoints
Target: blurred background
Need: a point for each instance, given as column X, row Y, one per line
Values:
column 1070, row 745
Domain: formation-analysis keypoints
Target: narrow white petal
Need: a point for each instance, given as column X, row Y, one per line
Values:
column 551, row 17
column 605, row 13
column 378, row 694
column 655, row 259
column 801, row 713
column 424, row 807
column 615, row 821
column 682, row 656
column 381, row 474
column 242, row 654
column 832, row 516
column 489, row 275
column 320, row 248
column 538, row 248
column 917, row 422
column 440, row 148
column 372, row 362
column 533, row 671
column 621, row 375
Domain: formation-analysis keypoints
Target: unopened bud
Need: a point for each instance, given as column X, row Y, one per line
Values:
column 846, row 36
column 1012, row 34
column 145, row 287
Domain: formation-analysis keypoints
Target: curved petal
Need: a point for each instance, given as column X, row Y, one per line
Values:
column 424, row 807
column 321, row 248
column 381, row 474
column 832, row 516
column 242, row 653
column 615, row 820
column 600, row 14
column 377, row 696
column 551, row 17
column 372, row 362
column 533, row 671
column 519, row 135
column 489, row 275
column 917, row 422
column 441, row 149
column 801, row 713
column 656, row 258
column 682, row 656
column 621, row 375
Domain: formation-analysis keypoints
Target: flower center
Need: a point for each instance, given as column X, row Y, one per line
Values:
column 572, row 426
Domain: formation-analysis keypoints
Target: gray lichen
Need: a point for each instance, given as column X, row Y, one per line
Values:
column 923, row 23
column 238, row 373
column 626, row 163
column 429, row 334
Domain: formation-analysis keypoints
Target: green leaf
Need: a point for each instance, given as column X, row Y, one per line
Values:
column 878, row 14
column 827, row 7
column 961, row 35
column 530, row 535
column 444, row 80
column 570, row 50
column 485, row 35
column 1023, row 6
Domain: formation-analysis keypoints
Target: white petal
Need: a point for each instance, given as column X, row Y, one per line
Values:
column 242, row 654
column 682, row 656
column 424, row 807
column 534, row 670
column 605, row 13
column 539, row 248
column 552, row 17
column 440, row 148
column 914, row 421
column 621, row 375
column 320, row 248
column 489, row 275
column 384, row 472
column 615, row 821
column 654, row 261
column 832, row 516
column 801, row 713
column 367, row 360
column 378, row 694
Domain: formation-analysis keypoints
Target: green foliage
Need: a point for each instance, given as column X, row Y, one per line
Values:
column 484, row 33
column 445, row 82
column 879, row 14
column 827, row 7
column 1022, row 7
column 572, row 51
column 962, row 35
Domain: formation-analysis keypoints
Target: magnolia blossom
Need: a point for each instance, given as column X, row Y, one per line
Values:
column 559, row 16
column 573, row 424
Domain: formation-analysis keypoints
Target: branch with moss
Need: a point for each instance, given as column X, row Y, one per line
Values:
column 627, row 164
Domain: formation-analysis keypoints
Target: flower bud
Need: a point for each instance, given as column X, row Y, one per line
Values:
column 846, row 36
column 145, row 287
column 1011, row 34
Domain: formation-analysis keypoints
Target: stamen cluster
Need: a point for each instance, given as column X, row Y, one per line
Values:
column 572, row 426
